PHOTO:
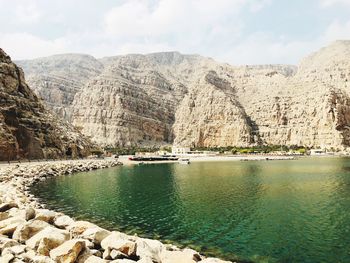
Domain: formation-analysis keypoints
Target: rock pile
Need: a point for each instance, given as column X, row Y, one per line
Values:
column 30, row 233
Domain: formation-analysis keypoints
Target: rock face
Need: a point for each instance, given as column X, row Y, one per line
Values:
column 27, row 128
column 57, row 79
column 190, row 100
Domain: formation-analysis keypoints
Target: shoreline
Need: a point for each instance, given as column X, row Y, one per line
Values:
column 230, row 158
column 30, row 233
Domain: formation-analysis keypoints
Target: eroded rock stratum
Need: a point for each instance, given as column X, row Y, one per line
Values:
column 27, row 128
column 191, row 100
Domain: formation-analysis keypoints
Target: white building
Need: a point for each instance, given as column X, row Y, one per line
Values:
column 180, row 150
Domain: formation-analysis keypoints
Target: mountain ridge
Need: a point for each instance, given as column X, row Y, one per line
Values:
column 27, row 128
column 161, row 97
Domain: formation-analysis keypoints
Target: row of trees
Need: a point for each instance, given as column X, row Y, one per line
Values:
column 254, row 149
column 232, row 149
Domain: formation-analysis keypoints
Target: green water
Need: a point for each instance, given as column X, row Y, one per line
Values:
column 267, row 211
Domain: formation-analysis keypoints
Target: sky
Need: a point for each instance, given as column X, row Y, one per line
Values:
column 233, row 31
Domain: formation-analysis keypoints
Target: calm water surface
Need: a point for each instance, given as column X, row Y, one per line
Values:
column 276, row 211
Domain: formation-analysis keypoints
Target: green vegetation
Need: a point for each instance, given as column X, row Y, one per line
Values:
column 254, row 150
column 259, row 149
column 97, row 151
column 131, row 150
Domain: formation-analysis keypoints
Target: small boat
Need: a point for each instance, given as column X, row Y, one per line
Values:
column 184, row 161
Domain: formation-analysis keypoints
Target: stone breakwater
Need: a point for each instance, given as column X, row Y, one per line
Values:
column 30, row 233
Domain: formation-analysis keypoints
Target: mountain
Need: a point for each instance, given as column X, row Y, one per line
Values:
column 27, row 128
column 57, row 79
column 191, row 100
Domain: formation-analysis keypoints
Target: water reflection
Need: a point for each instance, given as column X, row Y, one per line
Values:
column 288, row 211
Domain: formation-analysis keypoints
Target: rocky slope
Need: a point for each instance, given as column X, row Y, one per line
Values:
column 57, row 79
column 190, row 100
column 27, row 128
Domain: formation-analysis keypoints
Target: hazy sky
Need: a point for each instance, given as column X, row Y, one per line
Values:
column 233, row 31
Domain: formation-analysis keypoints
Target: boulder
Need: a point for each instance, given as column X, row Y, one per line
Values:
column 55, row 236
column 42, row 259
column 94, row 259
column 145, row 260
column 176, row 257
column 45, row 245
column 6, row 258
column 6, row 206
column 79, row 227
column 28, row 256
column 29, row 213
column 4, row 215
column 95, row 234
column 7, row 242
column 120, row 242
column 63, row 221
column 10, row 221
column 8, row 226
column 116, row 254
column 124, row 261
column 8, row 230
column 25, row 231
column 149, row 248
column 194, row 254
column 91, row 259
column 14, row 250
column 45, row 215
column 214, row 260
column 68, row 252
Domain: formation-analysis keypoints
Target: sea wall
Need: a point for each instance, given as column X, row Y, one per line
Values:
column 30, row 233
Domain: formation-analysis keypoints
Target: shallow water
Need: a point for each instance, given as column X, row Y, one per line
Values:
column 265, row 211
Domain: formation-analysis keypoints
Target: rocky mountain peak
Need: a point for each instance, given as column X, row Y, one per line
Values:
column 27, row 128
column 4, row 58
column 169, row 97
column 331, row 56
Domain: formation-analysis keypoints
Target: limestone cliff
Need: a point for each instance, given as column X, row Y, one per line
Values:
column 27, row 128
column 195, row 101
column 210, row 115
column 130, row 103
column 58, row 78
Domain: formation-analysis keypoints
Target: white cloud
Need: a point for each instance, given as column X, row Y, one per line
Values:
column 264, row 48
column 24, row 45
column 337, row 30
column 256, row 6
column 219, row 29
column 189, row 18
column 328, row 3
column 27, row 12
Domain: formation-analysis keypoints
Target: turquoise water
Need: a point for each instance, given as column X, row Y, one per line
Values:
column 264, row 211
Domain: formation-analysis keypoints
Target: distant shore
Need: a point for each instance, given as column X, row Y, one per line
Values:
column 230, row 158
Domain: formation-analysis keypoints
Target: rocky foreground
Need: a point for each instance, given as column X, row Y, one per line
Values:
column 30, row 233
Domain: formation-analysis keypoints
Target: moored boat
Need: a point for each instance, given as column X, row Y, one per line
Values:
column 184, row 161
